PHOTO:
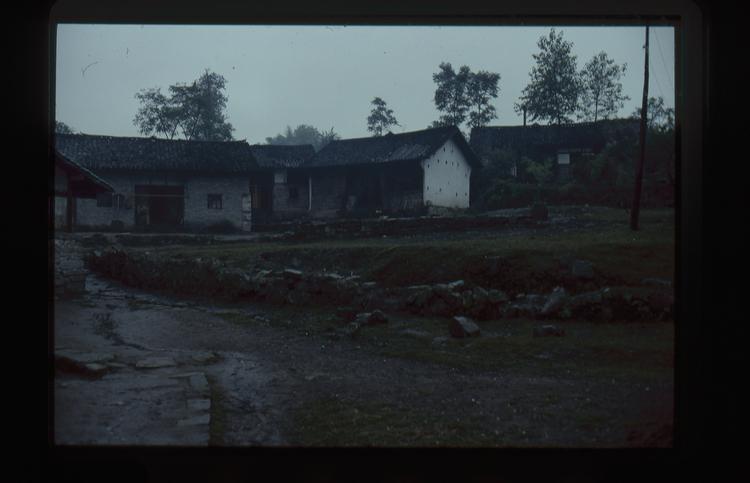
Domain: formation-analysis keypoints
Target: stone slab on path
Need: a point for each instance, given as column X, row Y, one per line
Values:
column 155, row 363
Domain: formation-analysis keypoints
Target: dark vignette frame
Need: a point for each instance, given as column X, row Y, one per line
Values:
column 692, row 21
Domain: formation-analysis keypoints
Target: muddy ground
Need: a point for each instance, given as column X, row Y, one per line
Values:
column 274, row 382
column 175, row 371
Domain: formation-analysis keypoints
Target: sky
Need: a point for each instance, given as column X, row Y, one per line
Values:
column 324, row 76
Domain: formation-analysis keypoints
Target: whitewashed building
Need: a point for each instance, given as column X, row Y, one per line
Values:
column 161, row 184
column 395, row 173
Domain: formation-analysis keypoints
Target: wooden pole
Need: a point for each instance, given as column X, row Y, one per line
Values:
column 634, row 213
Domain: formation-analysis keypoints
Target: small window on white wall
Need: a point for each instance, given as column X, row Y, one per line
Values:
column 563, row 158
column 279, row 176
column 214, row 201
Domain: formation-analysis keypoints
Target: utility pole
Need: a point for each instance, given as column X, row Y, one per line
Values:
column 639, row 167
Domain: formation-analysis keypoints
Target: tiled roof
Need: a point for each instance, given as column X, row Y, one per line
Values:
column 589, row 135
column 152, row 154
column 409, row 146
column 98, row 184
column 282, row 156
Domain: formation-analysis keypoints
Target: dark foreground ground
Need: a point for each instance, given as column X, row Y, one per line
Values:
column 175, row 371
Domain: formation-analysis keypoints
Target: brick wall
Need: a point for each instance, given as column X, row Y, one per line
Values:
column 284, row 206
column 196, row 189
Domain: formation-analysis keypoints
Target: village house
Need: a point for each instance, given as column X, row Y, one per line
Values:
column 162, row 184
column 72, row 182
column 280, row 190
column 564, row 144
column 395, row 173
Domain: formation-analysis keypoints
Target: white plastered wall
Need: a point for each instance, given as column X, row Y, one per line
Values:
column 447, row 174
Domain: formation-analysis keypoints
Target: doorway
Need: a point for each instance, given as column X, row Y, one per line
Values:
column 159, row 207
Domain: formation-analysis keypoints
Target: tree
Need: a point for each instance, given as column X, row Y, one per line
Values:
column 304, row 134
column 554, row 87
column 381, row 118
column 465, row 95
column 660, row 148
column 659, row 118
column 62, row 128
column 481, row 88
column 196, row 110
column 601, row 94
column 451, row 95
column 326, row 137
column 157, row 114
column 200, row 108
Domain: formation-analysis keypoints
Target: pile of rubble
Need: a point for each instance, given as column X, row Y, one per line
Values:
column 289, row 286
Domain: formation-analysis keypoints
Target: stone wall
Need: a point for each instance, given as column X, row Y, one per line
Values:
column 69, row 268
column 211, row 278
column 197, row 213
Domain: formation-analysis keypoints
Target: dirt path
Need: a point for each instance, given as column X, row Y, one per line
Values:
column 287, row 386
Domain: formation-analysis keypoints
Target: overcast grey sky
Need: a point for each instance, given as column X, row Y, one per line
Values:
column 322, row 76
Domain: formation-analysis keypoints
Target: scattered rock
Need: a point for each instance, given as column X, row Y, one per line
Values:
column 332, row 277
column 371, row 318
column 439, row 340
column 457, row 285
column 96, row 368
column 585, row 299
column 555, row 302
column 463, row 327
column 199, row 404
column 416, row 333
column 205, row 357
column 377, row 317
column 549, row 330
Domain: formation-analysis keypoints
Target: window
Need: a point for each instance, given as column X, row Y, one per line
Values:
column 214, row 202
column 104, row 200
column 563, row 158
column 118, row 201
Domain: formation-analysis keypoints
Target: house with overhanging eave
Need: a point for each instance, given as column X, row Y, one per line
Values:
column 395, row 173
column 72, row 182
column 161, row 184
column 280, row 190
column 564, row 144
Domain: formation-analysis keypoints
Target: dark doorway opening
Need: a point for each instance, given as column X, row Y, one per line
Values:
column 160, row 208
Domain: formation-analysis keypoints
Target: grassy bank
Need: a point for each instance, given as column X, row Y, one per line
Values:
column 515, row 262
